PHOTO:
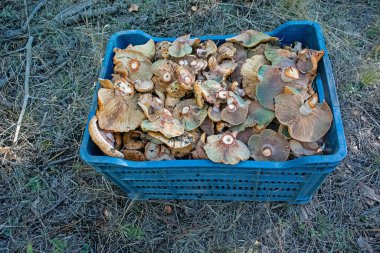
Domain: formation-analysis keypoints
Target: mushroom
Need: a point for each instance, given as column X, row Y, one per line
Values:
column 219, row 71
column 270, row 85
column 133, row 155
column 240, row 53
column 246, row 134
column 165, row 70
column 156, row 152
column 305, row 148
column 236, row 110
column 162, row 50
column 206, row 48
column 211, row 91
column 182, row 141
column 307, row 121
column 121, row 114
column 189, row 114
column 307, row 60
column 199, row 152
column 186, row 77
column 119, row 84
column 165, row 124
column 251, row 38
column 182, row 46
column 268, row 146
column 133, row 140
column 282, row 129
column 151, row 106
column 197, row 66
column 249, row 72
column 144, row 85
column 258, row 117
column 258, row 50
column 132, row 64
column 118, row 141
column 207, row 126
column 292, row 74
column 280, row 57
column 225, row 148
column 148, row 49
column 176, row 90
column 225, row 51
column 104, row 97
column 220, row 126
column 103, row 139
column 171, row 102
column 214, row 113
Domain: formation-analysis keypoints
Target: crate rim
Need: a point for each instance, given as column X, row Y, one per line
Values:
column 331, row 160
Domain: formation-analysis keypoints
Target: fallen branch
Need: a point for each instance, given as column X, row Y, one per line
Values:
column 26, row 86
column 31, row 15
column 89, row 14
column 62, row 160
column 74, row 9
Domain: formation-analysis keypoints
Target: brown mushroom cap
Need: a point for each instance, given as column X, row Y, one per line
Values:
column 207, row 126
column 182, row 46
column 148, row 49
column 225, row 148
column 308, row 60
column 186, row 77
column 206, row 49
column 144, row 85
column 199, row 152
column 210, row 90
column 225, row 51
column 236, row 111
column 132, row 64
column 121, row 114
column 305, row 148
column 165, row 70
column 257, row 115
column 133, row 140
column 162, row 50
column 176, row 90
column 249, row 72
column 182, row 141
column 189, row 114
column 246, row 134
column 268, row 146
column 280, row 57
column 214, row 113
column 133, row 155
column 103, row 139
column 251, row 38
column 104, row 97
column 151, row 106
column 307, row 122
column 166, row 124
column 258, row 50
column 156, row 152
column 118, row 141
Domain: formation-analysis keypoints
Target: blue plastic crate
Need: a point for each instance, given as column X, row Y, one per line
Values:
column 292, row 181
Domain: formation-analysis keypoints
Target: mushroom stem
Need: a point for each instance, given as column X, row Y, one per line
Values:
column 185, row 109
column 267, row 152
column 222, row 94
column 231, row 108
column 312, row 102
column 228, row 139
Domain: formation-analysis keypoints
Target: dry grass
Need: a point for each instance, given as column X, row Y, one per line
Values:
column 51, row 202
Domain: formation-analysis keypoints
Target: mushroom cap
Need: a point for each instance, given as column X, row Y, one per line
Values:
column 133, row 155
column 133, row 140
column 209, row 90
column 176, row 90
column 182, row 141
column 214, row 113
column 308, row 60
column 189, row 114
column 104, row 97
column 105, row 83
column 240, row 54
column 171, row 102
column 246, row 134
column 304, row 148
column 221, row 125
column 151, row 106
column 162, row 49
column 122, row 85
column 132, row 64
column 186, row 77
column 225, row 51
column 198, row 94
column 258, row 50
column 225, row 148
column 156, row 152
column 198, row 65
column 249, row 72
column 280, row 57
column 103, row 139
column 257, row 115
column 270, row 85
column 166, row 124
column 182, row 46
column 268, row 146
column 118, row 141
column 199, row 152
column 282, row 129
column 148, row 49
column 236, row 112
column 206, row 49
column 207, row 126
column 165, row 70
column 251, row 38
column 144, row 85
column 121, row 114
column 306, row 128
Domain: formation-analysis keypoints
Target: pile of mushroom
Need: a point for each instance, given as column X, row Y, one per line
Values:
column 191, row 99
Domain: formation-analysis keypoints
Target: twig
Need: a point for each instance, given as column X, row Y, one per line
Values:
column 62, row 160
column 74, row 9
column 56, row 69
column 26, row 86
column 31, row 15
column 90, row 13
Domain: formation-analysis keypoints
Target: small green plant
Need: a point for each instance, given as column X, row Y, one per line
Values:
column 132, row 231
column 29, row 248
column 58, row 245
column 370, row 77
column 34, row 184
